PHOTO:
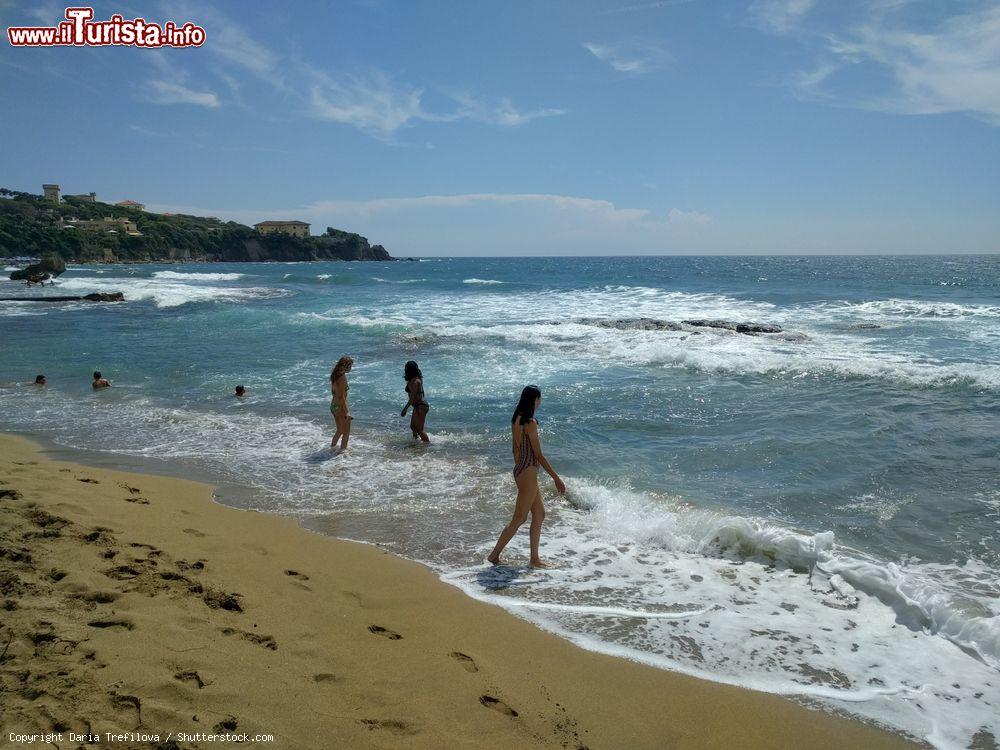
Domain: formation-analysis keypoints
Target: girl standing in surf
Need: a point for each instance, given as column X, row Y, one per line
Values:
column 415, row 390
column 338, row 402
column 527, row 458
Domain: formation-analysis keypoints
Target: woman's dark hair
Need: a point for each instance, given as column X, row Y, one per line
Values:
column 97, row 375
column 526, row 406
column 411, row 371
column 39, row 378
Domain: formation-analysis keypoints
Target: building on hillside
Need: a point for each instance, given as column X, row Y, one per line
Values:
column 112, row 224
column 51, row 192
column 131, row 204
column 294, row 228
column 87, row 197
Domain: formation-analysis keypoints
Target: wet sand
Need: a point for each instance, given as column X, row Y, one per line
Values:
column 134, row 603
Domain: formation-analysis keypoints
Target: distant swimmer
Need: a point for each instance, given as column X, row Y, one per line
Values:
column 415, row 390
column 100, row 382
column 39, row 380
column 240, row 391
column 527, row 458
column 338, row 402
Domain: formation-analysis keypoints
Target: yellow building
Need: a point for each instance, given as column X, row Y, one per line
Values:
column 294, row 228
column 131, row 204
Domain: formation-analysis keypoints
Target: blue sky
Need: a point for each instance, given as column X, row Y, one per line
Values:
column 530, row 127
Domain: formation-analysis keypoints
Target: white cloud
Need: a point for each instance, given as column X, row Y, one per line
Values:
column 379, row 106
column 375, row 105
column 954, row 68
column 676, row 216
column 498, row 111
column 165, row 92
column 951, row 66
column 629, row 57
column 591, row 206
column 780, row 16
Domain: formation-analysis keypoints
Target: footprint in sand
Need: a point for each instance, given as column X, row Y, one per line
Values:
column 87, row 480
column 193, row 532
column 228, row 724
column 132, row 490
column 327, row 677
column 385, row 632
column 390, row 725
column 137, row 500
column 105, row 624
column 266, row 641
column 190, row 676
column 465, row 660
column 297, row 574
column 497, row 705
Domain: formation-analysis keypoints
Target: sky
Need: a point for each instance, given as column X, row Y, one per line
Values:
column 535, row 127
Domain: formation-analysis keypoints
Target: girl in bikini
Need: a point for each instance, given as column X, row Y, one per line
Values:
column 527, row 458
column 415, row 390
column 338, row 402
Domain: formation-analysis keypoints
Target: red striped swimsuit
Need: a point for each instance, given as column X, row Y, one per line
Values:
column 525, row 454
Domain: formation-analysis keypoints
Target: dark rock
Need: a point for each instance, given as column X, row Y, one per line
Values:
column 631, row 324
column 725, row 324
column 49, row 267
column 757, row 328
column 96, row 297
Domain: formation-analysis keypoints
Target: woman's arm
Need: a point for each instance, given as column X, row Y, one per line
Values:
column 410, row 390
column 531, row 433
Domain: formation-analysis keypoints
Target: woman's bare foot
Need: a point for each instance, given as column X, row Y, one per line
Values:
column 493, row 560
column 540, row 564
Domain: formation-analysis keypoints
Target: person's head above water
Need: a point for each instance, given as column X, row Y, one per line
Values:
column 97, row 375
column 344, row 365
column 531, row 397
column 39, row 380
column 240, row 390
column 411, row 371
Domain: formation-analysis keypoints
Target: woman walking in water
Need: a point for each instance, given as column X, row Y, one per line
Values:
column 415, row 390
column 527, row 458
column 338, row 402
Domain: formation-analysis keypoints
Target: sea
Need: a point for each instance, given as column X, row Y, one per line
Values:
column 813, row 512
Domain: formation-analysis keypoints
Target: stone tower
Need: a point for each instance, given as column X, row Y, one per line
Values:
column 51, row 192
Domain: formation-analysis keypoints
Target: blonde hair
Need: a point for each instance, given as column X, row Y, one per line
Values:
column 340, row 368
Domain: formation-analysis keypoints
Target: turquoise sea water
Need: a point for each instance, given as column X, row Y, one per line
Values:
column 815, row 513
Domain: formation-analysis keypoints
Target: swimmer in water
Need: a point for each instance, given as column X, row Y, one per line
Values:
column 338, row 402
column 415, row 390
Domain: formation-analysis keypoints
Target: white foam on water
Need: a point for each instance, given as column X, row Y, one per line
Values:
column 195, row 276
column 824, row 352
column 767, row 607
column 483, row 281
column 397, row 281
column 168, row 292
column 323, row 276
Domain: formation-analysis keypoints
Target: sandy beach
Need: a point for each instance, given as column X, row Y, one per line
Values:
column 135, row 604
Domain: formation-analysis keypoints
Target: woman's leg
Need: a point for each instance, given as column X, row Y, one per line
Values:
column 535, row 532
column 527, row 487
column 337, row 431
column 417, row 425
column 346, row 429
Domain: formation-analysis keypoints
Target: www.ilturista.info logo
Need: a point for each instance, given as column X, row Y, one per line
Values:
column 80, row 30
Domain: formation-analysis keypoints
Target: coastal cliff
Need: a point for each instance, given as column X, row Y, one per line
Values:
column 82, row 231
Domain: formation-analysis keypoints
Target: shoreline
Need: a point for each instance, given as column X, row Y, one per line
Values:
column 136, row 602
